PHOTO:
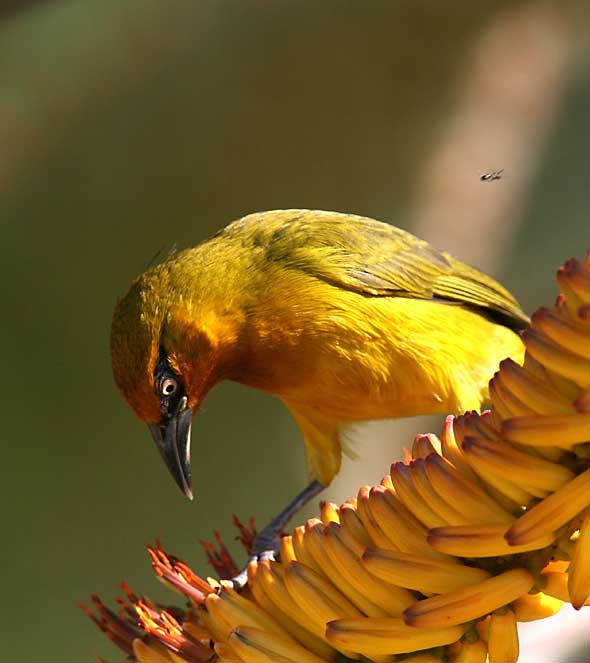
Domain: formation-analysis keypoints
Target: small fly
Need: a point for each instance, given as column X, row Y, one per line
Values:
column 492, row 175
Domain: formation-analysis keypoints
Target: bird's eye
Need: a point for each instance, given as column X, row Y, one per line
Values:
column 168, row 387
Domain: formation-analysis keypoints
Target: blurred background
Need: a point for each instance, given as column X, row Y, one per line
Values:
column 127, row 128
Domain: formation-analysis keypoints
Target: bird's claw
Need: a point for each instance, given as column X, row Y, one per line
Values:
column 265, row 547
column 267, row 555
column 240, row 580
column 267, row 542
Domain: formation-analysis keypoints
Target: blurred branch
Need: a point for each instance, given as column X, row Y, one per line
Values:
column 8, row 7
column 509, row 96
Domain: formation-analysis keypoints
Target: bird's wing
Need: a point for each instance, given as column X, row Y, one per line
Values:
column 377, row 259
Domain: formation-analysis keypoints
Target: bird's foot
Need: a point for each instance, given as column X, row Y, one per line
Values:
column 266, row 546
column 267, row 543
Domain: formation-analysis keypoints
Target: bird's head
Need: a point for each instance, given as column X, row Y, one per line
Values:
column 164, row 357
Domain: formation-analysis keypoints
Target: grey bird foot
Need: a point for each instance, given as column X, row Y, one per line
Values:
column 268, row 543
column 266, row 546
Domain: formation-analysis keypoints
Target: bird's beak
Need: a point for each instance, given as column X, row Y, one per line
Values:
column 174, row 442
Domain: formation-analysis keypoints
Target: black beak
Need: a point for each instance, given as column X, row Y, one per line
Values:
column 174, row 442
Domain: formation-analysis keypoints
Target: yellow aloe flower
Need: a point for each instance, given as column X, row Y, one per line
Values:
column 472, row 533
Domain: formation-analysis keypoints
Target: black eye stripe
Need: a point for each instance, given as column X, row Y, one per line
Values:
column 169, row 387
column 162, row 368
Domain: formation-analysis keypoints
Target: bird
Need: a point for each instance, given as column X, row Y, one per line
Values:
column 342, row 317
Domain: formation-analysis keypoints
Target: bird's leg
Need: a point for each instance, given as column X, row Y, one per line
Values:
column 267, row 542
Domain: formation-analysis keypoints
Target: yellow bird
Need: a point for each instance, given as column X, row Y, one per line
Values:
column 342, row 317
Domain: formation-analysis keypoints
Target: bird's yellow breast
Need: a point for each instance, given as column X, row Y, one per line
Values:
column 353, row 358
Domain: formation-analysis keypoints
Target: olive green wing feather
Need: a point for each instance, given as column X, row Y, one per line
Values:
column 376, row 259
